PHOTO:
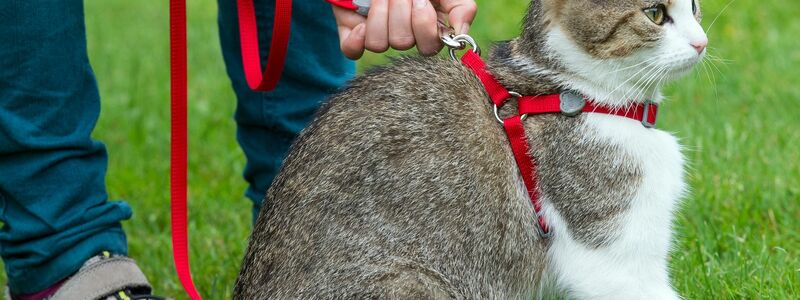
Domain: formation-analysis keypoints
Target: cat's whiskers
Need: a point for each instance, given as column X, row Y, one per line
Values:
column 645, row 80
column 652, row 83
column 634, row 75
column 655, row 84
column 708, row 30
column 653, row 72
column 634, row 94
column 628, row 67
column 630, row 91
column 713, row 80
column 633, row 87
column 713, row 63
column 715, row 58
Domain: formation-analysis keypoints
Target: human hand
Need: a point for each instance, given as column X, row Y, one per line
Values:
column 401, row 24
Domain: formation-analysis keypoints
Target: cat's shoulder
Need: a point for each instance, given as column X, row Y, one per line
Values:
column 412, row 72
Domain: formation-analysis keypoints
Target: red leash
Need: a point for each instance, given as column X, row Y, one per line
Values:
column 248, row 35
column 178, row 133
column 178, row 145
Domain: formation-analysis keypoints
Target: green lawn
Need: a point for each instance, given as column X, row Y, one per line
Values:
column 738, row 231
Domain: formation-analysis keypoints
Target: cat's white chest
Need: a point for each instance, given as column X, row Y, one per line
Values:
column 634, row 264
column 662, row 185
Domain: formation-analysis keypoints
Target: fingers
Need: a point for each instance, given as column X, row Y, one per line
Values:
column 460, row 13
column 353, row 43
column 401, row 34
column 425, row 28
column 352, row 32
column 401, row 24
column 378, row 26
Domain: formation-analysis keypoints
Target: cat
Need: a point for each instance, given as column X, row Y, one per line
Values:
column 405, row 186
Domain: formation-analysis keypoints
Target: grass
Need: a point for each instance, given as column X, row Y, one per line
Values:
column 738, row 231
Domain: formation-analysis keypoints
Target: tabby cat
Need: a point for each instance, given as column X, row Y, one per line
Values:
column 405, row 186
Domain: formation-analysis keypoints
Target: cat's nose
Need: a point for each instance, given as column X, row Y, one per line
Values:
column 700, row 45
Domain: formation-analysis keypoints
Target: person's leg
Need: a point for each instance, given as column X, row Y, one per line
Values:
column 315, row 68
column 53, row 202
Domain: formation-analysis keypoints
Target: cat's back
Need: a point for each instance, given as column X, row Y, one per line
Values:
column 406, row 172
column 413, row 115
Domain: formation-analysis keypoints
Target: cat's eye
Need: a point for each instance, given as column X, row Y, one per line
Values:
column 657, row 14
column 694, row 7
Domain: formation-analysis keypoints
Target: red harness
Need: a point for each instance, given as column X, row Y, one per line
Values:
column 565, row 103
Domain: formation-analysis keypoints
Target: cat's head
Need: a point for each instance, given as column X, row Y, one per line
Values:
column 628, row 45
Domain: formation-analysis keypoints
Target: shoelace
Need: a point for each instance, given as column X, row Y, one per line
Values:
column 128, row 295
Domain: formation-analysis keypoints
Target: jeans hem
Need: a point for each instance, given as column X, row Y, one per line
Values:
column 67, row 264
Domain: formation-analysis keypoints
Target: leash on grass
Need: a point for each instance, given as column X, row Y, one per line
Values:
column 178, row 145
column 257, row 81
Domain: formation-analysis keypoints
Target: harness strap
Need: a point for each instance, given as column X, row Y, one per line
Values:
column 527, row 167
column 497, row 92
column 535, row 105
column 515, row 132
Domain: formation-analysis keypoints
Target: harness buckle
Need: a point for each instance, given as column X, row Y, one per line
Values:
column 648, row 105
column 571, row 103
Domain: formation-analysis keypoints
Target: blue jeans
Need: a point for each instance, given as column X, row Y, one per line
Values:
column 267, row 123
column 53, row 200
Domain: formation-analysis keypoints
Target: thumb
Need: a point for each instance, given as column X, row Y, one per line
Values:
column 460, row 13
column 353, row 44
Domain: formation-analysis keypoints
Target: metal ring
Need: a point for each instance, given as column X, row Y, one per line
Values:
column 514, row 95
column 463, row 40
column 497, row 114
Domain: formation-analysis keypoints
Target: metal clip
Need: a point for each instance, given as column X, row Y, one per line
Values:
column 448, row 35
column 456, row 42
column 362, row 6
column 648, row 105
